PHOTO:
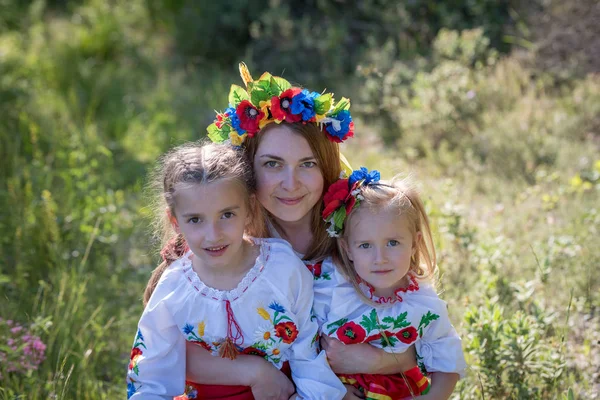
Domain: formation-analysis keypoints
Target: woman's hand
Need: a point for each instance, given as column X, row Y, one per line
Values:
column 353, row 393
column 365, row 359
column 271, row 384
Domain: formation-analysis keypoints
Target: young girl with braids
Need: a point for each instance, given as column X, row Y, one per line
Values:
column 224, row 294
column 381, row 292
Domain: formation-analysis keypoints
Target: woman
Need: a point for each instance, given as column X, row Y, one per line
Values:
column 294, row 161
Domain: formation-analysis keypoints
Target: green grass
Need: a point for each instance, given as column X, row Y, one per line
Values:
column 511, row 176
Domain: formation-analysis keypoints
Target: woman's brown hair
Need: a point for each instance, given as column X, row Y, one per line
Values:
column 327, row 154
column 192, row 164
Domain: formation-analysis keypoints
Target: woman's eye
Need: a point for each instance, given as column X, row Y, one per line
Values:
column 271, row 164
column 228, row 215
column 393, row 243
column 194, row 220
column 309, row 164
column 364, row 246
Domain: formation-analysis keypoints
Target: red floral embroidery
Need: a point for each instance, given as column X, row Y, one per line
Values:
column 407, row 335
column 371, row 338
column 351, row 333
column 202, row 344
column 315, row 269
column 249, row 117
column 253, row 351
column 135, row 354
column 287, row 331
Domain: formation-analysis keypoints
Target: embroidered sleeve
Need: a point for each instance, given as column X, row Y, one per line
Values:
column 439, row 349
column 324, row 279
column 311, row 373
column 157, row 365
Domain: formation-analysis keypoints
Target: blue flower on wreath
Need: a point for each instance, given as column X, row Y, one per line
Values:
column 342, row 127
column 304, row 103
column 363, row 173
column 187, row 329
column 276, row 307
column 235, row 120
column 139, row 334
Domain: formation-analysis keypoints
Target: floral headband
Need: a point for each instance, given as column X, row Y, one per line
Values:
column 343, row 196
column 273, row 99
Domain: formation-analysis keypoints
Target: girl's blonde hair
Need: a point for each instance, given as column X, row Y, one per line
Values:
column 400, row 196
column 197, row 163
column 327, row 154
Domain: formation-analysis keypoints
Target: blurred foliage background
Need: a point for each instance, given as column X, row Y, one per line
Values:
column 493, row 105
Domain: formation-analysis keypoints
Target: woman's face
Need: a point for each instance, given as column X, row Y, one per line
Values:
column 289, row 180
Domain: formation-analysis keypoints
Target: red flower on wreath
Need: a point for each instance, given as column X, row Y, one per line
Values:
column 253, row 351
column 201, row 343
column 286, row 331
column 249, row 117
column 407, row 335
column 135, row 354
column 335, row 196
column 281, row 107
column 351, row 333
column 221, row 120
column 315, row 269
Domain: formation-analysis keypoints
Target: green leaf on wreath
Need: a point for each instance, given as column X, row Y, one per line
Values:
column 215, row 134
column 323, row 103
column 237, row 94
column 343, row 104
column 279, row 85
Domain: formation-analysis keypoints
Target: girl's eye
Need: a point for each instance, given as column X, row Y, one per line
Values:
column 271, row 164
column 194, row 220
column 364, row 246
column 228, row 215
column 393, row 243
column 308, row 164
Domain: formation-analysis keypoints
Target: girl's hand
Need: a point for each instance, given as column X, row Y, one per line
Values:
column 353, row 393
column 271, row 384
column 365, row 359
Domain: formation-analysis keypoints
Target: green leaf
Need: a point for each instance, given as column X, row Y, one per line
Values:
column 343, row 104
column 279, row 85
column 258, row 96
column 338, row 217
column 323, row 103
column 237, row 94
column 372, row 323
column 388, row 340
column 217, row 135
column 336, row 324
column 136, row 370
column 426, row 320
column 399, row 322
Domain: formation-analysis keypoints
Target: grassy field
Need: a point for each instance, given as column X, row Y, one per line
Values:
column 506, row 155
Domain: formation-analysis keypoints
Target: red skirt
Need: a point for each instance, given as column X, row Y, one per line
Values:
column 383, row 387
column 221, row 392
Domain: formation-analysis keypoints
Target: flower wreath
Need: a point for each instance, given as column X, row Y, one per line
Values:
column 274, row 99
column 343, row 196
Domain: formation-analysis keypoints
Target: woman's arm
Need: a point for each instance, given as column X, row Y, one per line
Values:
column 366, row 359
column 266, row 381
column 442, row 386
